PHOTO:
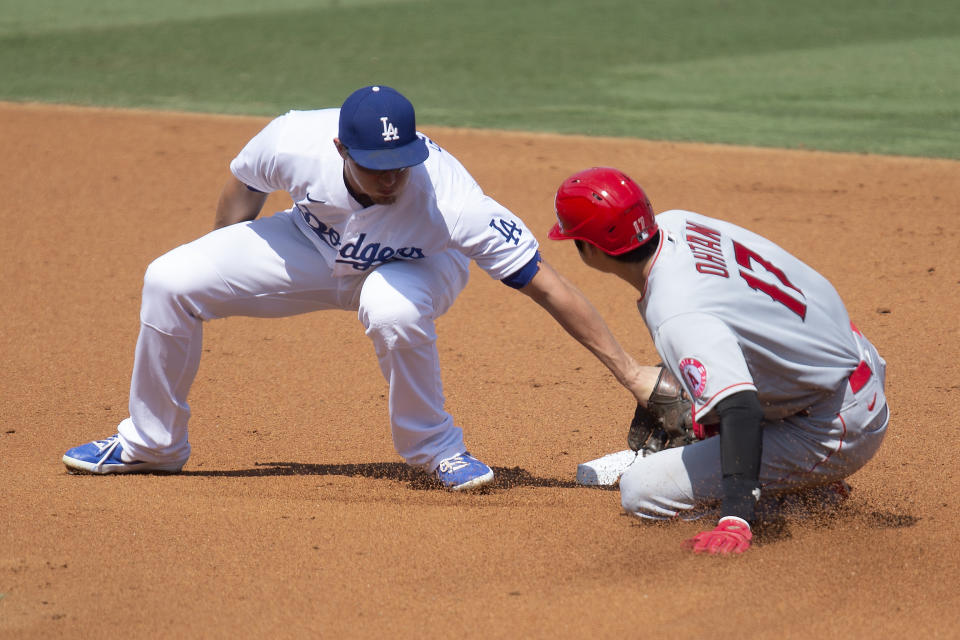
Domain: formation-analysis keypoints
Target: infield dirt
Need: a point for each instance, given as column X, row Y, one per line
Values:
column 295, row 518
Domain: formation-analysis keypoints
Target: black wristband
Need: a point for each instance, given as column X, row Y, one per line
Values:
column 740, row 497
column 741, row 449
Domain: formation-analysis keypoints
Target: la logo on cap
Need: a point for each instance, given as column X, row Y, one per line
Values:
column 389, row 131
column 378, row 127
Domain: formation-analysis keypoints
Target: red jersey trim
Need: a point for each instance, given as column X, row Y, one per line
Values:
column 720, row 395
column 663, row 238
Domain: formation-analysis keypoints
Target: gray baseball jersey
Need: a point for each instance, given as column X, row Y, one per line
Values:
column 729, row 311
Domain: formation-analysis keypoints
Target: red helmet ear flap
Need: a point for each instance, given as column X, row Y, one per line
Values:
column 604, row 207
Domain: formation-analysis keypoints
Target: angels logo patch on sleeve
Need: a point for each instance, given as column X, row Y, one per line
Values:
column 694, row 376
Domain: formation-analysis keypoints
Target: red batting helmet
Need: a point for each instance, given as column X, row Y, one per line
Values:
column 605, row 208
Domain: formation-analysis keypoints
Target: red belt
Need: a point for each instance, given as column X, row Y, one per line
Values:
column 860, row 376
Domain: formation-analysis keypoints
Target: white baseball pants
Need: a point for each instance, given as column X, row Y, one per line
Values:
column 267, row 268
column 831, row 441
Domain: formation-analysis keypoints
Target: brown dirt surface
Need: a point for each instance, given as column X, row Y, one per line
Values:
column 295, row 518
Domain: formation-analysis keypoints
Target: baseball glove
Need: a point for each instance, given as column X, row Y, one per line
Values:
column 666, row 421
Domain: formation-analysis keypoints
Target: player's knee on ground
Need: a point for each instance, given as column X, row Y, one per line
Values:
column 643, row 504
column 393, row 319
column 645, row 493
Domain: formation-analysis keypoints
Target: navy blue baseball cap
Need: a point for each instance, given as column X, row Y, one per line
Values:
column 379, row 129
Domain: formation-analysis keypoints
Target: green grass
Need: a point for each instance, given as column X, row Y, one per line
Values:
column 858, row 75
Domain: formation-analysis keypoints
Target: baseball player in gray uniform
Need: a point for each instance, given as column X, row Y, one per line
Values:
column 384, row 222
column 761, row 343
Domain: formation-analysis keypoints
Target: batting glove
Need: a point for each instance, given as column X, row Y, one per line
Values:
column 731, row 535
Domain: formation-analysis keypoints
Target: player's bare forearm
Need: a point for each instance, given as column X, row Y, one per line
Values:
column 237, row 203
column 571, row 309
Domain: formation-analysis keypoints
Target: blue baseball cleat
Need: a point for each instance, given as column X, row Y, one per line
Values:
column 104, row 456
column 463, row 471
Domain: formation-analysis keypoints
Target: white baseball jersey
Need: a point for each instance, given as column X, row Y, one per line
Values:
column 729, row 311
column 441, row 207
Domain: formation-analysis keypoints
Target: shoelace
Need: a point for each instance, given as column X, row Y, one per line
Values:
column 105, row 447
column 452, row 464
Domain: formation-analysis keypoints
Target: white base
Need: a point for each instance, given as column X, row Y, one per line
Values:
column 605, row 471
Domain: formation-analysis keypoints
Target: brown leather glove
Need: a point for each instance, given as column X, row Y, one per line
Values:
column 666, row 421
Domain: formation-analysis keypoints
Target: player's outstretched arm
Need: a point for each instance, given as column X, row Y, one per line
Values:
column 237, row 203
column 580, row 319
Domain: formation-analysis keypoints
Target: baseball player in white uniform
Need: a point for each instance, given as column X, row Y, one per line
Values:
column 761, row 342
column 384, row 222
